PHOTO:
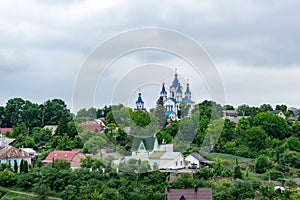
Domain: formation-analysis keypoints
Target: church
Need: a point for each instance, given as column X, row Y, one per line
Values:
column 172, row 100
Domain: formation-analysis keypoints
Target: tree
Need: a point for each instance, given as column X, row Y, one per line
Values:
column 15, row 166
column 121, row 137
column 237, row 173
column 245, row 110
column 262, row 164
column 61, row 164
column 274, row 125
column 7, row 177
column 265, row 108
column 65, row 143
column 94, row 144
column 281, row 107
column 255, row 139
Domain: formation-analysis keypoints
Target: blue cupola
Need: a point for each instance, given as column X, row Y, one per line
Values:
column 188, row 93
column 139, row 103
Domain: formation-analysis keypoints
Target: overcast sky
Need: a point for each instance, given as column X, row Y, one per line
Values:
column 254, row 45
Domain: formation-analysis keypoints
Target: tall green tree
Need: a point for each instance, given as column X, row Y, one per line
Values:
column 274, row 125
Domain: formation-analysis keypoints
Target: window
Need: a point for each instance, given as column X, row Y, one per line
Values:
column 180, row 163
column 176, row 163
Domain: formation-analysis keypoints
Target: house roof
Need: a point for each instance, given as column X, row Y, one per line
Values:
column 275, row 112
column 12, row 152
column 189, row 194
column 66, row 155
column 148, row 141
column 5, row 130
column 170, row 155
column 92, row 127
column 6, row 141
column 157, row 154
column 200, row 158
column 297, row 180
column 28, row 150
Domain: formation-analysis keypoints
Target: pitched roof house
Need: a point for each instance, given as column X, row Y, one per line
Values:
column 188, row 194
column 197, row 160
column 10, row 154
column 73, row 157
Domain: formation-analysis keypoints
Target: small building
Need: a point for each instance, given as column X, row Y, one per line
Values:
column 188, row 194
column 31, row 152
column 73, row 157
column 197, row 160
column 279, row 113
column 96, row 125
column 10, row 154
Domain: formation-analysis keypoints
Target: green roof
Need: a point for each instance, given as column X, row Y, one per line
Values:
column 148, row 141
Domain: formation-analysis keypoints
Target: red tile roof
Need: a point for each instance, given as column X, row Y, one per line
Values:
column 5, row 130
column 92, row 127
column 66, row 155
column 189, row 194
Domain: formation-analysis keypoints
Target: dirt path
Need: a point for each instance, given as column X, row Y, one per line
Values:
column 30, row 194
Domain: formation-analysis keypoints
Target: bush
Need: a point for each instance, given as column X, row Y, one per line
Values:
column 275, row 175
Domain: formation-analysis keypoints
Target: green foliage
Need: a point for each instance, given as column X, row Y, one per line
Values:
column 61, row 164
column 7, row 177
column 273, row 125
column 237, row 173
column 262, row 164
column 204, row 173
column 94, row 144
column 15, row 166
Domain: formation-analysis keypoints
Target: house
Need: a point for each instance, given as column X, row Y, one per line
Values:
column 195, row 160
column 10, row 154
column 32, row 153
column 188, row 194
column 158, row 156
column 73, row 157
column 230, row 113
column 143, row 146
column 166, row 160
column 96, row 125
column 279, row 113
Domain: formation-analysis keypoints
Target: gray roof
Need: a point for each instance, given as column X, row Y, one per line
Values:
column 297, row 180
column 200, row 158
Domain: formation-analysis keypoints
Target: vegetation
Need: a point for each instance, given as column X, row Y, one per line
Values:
column 259, row 148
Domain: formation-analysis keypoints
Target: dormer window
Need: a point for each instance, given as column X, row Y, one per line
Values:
column 142, row 147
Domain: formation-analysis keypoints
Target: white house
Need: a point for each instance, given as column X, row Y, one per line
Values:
column 158, row 156
column 197, row 160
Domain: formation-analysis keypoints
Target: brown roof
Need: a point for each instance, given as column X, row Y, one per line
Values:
column 92, row 127
column 188, row 194
column 12, row 152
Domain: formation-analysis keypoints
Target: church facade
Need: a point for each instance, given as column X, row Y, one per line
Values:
column 170, row 100
column 176, row 95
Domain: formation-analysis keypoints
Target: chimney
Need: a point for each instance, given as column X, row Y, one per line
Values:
column 168, row 189
column 196, row 188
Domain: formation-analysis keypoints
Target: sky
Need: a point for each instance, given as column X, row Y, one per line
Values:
column 254, row 46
